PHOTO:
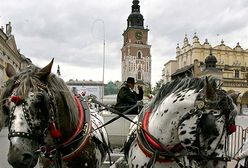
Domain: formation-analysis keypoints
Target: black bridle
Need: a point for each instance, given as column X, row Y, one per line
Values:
column 201, row 104
column 34, row 134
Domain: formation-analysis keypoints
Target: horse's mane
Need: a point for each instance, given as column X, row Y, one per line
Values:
column 28, row 79
column 180, row 84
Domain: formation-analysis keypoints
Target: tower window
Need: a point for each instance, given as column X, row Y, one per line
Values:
column 139, row 75
column 139, row 55
column 236, row 73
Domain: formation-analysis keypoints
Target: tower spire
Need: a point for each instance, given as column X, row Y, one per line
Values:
column 58, row 71
column 135, row 6
column 135, row 19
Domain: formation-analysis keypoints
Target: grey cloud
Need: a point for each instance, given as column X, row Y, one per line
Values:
column 64, row 29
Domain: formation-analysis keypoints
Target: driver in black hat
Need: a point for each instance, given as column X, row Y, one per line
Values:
column 127, row 97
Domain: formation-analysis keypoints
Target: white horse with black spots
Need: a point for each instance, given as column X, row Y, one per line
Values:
column 185, row 125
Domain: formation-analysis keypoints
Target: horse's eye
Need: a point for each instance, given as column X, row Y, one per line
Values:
column 40, row 97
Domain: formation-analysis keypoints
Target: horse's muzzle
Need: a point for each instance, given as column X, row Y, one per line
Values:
column 21, row 159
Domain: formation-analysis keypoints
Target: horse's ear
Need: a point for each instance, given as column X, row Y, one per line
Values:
column 234, row 97
column 44, row 72
column 209, row 90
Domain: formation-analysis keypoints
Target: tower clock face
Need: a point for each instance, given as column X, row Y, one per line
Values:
column 138, row 35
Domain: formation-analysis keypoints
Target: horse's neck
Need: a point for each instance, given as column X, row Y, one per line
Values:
column 65, row 122
column 165, row 119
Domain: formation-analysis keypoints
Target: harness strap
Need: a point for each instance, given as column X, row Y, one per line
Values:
column 81, row 121
column 162, row 153
column 150, row 154
column 148, row 144
column 153, row 159
column 79, row 149
column 84, row 128
column 177, row 148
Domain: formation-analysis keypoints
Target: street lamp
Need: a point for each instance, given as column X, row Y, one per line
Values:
column 103, row 54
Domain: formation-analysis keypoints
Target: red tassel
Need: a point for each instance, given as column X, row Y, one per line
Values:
column 231, row 128
column 55, row 133
column 16, row 99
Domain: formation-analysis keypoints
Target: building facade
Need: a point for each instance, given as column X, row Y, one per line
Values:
column 89, row 88
column 11, row 60
column 136, row 56
column 192, row 60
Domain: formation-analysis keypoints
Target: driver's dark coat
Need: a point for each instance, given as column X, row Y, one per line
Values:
column 127, row 98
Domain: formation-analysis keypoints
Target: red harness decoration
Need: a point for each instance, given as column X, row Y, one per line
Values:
column 54, row 131
column 81, row 121
column 16, row 99
column 176, row 148
column 148, row 137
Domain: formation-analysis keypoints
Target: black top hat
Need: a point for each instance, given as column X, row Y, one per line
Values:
column 130, row 80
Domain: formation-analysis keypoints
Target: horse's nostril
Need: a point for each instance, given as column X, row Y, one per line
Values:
column 27, row 157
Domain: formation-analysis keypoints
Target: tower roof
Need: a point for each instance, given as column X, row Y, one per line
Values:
column 210, row 61
column 135, row 19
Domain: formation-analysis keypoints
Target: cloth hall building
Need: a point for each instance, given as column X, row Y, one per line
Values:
column 230, row 65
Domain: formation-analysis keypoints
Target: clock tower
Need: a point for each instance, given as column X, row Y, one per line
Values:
column 136, row 57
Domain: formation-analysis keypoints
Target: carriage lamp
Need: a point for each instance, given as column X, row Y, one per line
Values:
column 16, row 99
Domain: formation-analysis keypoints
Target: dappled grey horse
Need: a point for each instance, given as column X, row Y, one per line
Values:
column 46, row 121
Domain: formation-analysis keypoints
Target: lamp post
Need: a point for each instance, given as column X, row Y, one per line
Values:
column 103, row 54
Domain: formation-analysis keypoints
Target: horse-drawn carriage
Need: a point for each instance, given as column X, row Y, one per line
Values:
column 185, row 125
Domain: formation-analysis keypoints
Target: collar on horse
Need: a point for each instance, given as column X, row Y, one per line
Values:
column 79, row 137
column 82, row 131
column 151, row 147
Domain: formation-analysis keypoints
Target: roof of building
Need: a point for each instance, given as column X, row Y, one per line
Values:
column 182, row 70
column 84, row 83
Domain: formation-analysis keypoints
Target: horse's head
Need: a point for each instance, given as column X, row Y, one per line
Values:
column 27, row 103
column 212, row 119
column 27, row 125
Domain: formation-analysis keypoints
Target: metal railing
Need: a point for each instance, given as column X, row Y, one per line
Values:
column 235, row 142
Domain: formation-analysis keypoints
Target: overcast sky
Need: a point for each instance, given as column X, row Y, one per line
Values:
column 71, row 31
